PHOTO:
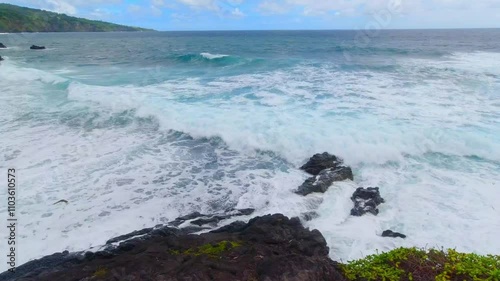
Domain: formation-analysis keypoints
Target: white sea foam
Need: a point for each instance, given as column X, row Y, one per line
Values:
column 213, row 56
column 425, row 136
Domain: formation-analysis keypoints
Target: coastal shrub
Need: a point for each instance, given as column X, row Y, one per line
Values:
column 415, row 264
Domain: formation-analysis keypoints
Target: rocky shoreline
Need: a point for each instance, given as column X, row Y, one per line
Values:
column 271, row 247
column 266, row 248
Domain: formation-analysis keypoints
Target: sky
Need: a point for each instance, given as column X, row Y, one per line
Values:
column 281, row 14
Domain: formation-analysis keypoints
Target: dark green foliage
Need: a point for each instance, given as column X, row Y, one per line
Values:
column 19, row 19
column 419, row 265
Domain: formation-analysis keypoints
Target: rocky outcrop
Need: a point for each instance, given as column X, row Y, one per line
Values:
column 326, row 169
column 272, row 247
column 392, row 234
column 35, row 47
column 324, row 180
column 2, row 46
column 320, row 162
column 366, row 200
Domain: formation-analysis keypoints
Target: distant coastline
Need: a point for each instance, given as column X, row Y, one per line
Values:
column 16, row 19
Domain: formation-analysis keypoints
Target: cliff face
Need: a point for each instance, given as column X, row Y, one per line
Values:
column 20, row 19
column 272, row 247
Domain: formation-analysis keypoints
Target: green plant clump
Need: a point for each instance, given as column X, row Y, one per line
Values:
column 421, row 265
column 210, row 249
column 101, row 272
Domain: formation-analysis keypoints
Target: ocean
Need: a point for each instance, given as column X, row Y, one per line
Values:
column 136, row 129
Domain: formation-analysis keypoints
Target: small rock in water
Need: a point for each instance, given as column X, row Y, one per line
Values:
column 366, row 200
column 2, row 46
column 1, row 59
column 324, row 180
column 392, row 234
column 35, row 47
column 319, row 162
column 309, row 216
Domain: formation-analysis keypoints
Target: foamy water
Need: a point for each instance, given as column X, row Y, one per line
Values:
column 132, row 143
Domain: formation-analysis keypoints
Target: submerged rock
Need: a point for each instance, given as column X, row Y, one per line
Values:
column 324, row 180
column 366, row 200
column 35, row 47
column 322, row 161
column 272, row 247
column 392, row 234
column 2, row 46
column 309, row 216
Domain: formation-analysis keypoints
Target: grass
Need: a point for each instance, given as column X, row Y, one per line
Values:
column 415, row 264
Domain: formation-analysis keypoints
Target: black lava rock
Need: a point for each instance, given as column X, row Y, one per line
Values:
column 392, row 234
column 35, row 47
column 366, row 200
column 319, row 162
column 2, row 46
column 324, row 180
column 271, row 247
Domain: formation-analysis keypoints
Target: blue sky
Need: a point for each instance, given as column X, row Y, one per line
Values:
column 281, row 14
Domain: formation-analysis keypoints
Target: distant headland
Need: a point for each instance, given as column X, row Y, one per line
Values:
column 21, row 19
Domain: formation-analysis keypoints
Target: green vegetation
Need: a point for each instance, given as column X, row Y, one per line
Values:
column 19, row 19
column 417, row 264
column 100, row 273
column 212, row 250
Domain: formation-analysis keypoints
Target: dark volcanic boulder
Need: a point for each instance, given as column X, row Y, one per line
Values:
column 319, row 162
column 35, row 47
column 392, row 234
column 272, row 247
column 366, row 200
column 1, row 59
column 324, row 180
column 2, row 46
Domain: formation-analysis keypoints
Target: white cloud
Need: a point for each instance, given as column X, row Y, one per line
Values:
column 157, row 3
column 134, row 9
column 272, row 7
column 200, row 4
column 236, row 12
column 70, row 7
column 235, row 2
column 61, row 7
column 359, row 7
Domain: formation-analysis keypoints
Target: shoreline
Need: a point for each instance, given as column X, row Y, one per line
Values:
column 271, row 247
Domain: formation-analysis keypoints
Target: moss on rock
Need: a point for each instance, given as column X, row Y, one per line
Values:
column 209, row 249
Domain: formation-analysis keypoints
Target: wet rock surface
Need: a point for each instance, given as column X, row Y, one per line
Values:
column 211, row 220
column 320, row 162
column 392, row 234
column 272, row 247
column 366, row 200
column 2, row 46
column 324, row 180
column 35, row 47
